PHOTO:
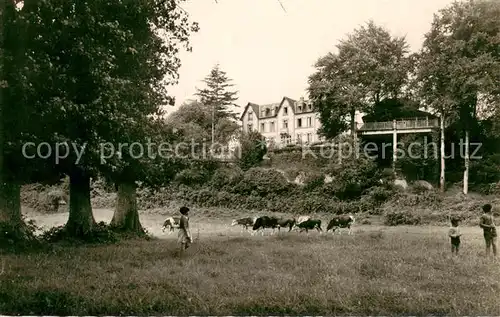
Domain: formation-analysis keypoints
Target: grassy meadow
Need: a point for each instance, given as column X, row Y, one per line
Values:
column 377, row 270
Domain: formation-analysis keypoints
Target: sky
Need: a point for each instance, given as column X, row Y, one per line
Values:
column 269, row 52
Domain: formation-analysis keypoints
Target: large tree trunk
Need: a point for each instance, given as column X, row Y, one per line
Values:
column 10, row 213
column 10, row 203
column 126, row 216
column 10, row 209
column 466, row 161
column 442, row 176
column 81, row 220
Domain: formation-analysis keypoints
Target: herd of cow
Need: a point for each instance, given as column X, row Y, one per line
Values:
column 260, row 223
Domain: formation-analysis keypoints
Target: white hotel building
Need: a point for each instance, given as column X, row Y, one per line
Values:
column 286, row 122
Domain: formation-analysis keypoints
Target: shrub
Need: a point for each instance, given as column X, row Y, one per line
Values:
column 405, row 199
column 191, row 176
column 100, row 188
column 380, row 194
column 352, row 177
column 314, row 181
column 418, row 188
column 252, row 150
column 395, row 218
column 102, row 233
column 484, row 173
column 14, row 237
column 260, row 181
column 312, row 204
column 226, row 177
column 292, row 173
column 41, row 197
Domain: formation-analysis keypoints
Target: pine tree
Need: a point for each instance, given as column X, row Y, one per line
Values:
column 218, row 96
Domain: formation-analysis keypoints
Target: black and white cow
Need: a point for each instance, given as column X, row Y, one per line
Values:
column 340, row 221
column 310, row 225
column 171, row 223
column 245, row 222
column 283, row 223
column 300, row 219
column 264, row 222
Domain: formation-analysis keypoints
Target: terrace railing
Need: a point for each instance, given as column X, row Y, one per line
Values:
column 401, row 124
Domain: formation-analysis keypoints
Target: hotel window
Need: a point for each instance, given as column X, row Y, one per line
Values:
column 262, row 127
column 309, row 122
column 309, row 137
column 249, row 127
column 250, row 116
column 299, row 138
column 299, row 123
column 285, row 111
column 272, row 126
column 285, row 124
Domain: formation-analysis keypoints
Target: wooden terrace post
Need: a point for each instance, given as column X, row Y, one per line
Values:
column 394, row 145
column 441, row 178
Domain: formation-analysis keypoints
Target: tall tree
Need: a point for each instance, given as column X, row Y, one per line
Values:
column 370, row 65
column 15, row 111
column 10, row 211
column 148, row 63
column 87, row 94
column 218, row 96
column 460, row 64
column 193, row 121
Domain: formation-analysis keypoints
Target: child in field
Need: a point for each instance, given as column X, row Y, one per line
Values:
column 489, row 230
column 454, row 234
column 184, row 237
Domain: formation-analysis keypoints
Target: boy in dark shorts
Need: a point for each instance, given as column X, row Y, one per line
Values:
column 454, row 234
column 184, row 237
column 489, row 230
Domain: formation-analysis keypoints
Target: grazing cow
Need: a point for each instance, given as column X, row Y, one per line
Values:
column 341, row 221
column 286, row 223
column 265, row 222
column 302, row 219
column 310, row 225
column 171, row 223
column 245, row 222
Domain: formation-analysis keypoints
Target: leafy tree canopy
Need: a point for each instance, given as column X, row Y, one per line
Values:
column 370, row 65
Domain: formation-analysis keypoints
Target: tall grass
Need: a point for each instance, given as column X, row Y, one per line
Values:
column 394, row 271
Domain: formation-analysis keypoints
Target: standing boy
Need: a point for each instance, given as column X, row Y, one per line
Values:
column 489, row 230
column 454, row 234
column 184, row 237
